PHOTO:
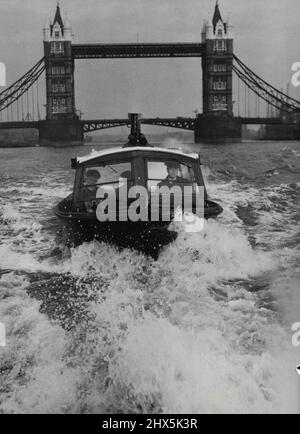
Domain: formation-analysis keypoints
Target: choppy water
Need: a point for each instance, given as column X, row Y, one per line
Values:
column 206, row 328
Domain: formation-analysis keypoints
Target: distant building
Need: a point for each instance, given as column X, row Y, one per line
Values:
column 59, row 68
column 217, row 66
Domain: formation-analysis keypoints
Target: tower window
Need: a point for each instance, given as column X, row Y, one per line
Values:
column 59, row 105
column 58, row 70
column 220, row 33
column 219, row 45
column 219, row 103
column 57, row 48
column 56, row 34
column 219, row 85
column 58, row 86
column 220, row 67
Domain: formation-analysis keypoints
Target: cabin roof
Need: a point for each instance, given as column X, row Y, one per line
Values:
column 111, row 151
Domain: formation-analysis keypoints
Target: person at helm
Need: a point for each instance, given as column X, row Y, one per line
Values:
column 87, row 195
column 173, row 177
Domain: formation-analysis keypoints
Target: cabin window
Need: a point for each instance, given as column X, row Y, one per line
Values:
column 110, row 173
column 96, row 176
column 169, row 172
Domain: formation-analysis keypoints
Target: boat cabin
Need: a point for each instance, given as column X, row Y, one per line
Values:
column 143, row 186
column 149, row 167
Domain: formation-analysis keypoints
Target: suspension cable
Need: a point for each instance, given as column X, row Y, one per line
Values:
column 283, row 101
column 16, row 90
column 248, row 70
column 260, row 91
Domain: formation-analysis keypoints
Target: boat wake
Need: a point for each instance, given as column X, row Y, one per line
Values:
column 205, row 328
column 105, row 331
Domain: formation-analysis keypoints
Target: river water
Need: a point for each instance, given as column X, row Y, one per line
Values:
column 205, row 328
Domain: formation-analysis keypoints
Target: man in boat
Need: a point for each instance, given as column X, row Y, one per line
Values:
column 172, row 178
column 132, row 141
column 143, row 140
column 87, row 195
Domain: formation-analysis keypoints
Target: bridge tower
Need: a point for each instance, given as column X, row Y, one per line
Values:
column 217, row 120
column 62, row 122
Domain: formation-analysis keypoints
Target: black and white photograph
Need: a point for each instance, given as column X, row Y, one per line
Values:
column 149, row 210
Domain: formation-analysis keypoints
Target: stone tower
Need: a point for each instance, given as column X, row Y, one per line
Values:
column 59, row 69
column 217, row 122
column 62, row 123
column 217, row 38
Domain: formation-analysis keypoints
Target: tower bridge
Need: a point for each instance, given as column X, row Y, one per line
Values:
column 219, row 64
column 133, row 51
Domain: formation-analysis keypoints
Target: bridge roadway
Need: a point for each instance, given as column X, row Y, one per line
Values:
column 112, row 51
column 18, row 124
column 180, row 122
column 185, row 123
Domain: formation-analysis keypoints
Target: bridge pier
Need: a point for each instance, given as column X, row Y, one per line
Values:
column 217, row 129
column 61, row 132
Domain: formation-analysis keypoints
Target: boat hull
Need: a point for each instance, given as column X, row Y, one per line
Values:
column 146, row 237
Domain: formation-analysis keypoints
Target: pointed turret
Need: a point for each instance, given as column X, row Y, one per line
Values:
column 217, row 16
column 58, row 19
column 217, row 65
column 58, row 29
column 59, row 68
column 217, row 27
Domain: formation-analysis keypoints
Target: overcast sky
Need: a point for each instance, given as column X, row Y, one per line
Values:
column 267, row 39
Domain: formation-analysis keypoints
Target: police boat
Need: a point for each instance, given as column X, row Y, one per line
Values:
column 128, row 195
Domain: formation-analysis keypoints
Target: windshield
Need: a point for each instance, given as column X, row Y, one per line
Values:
column 102, row 176
column 169, row 172
column 107, row 174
